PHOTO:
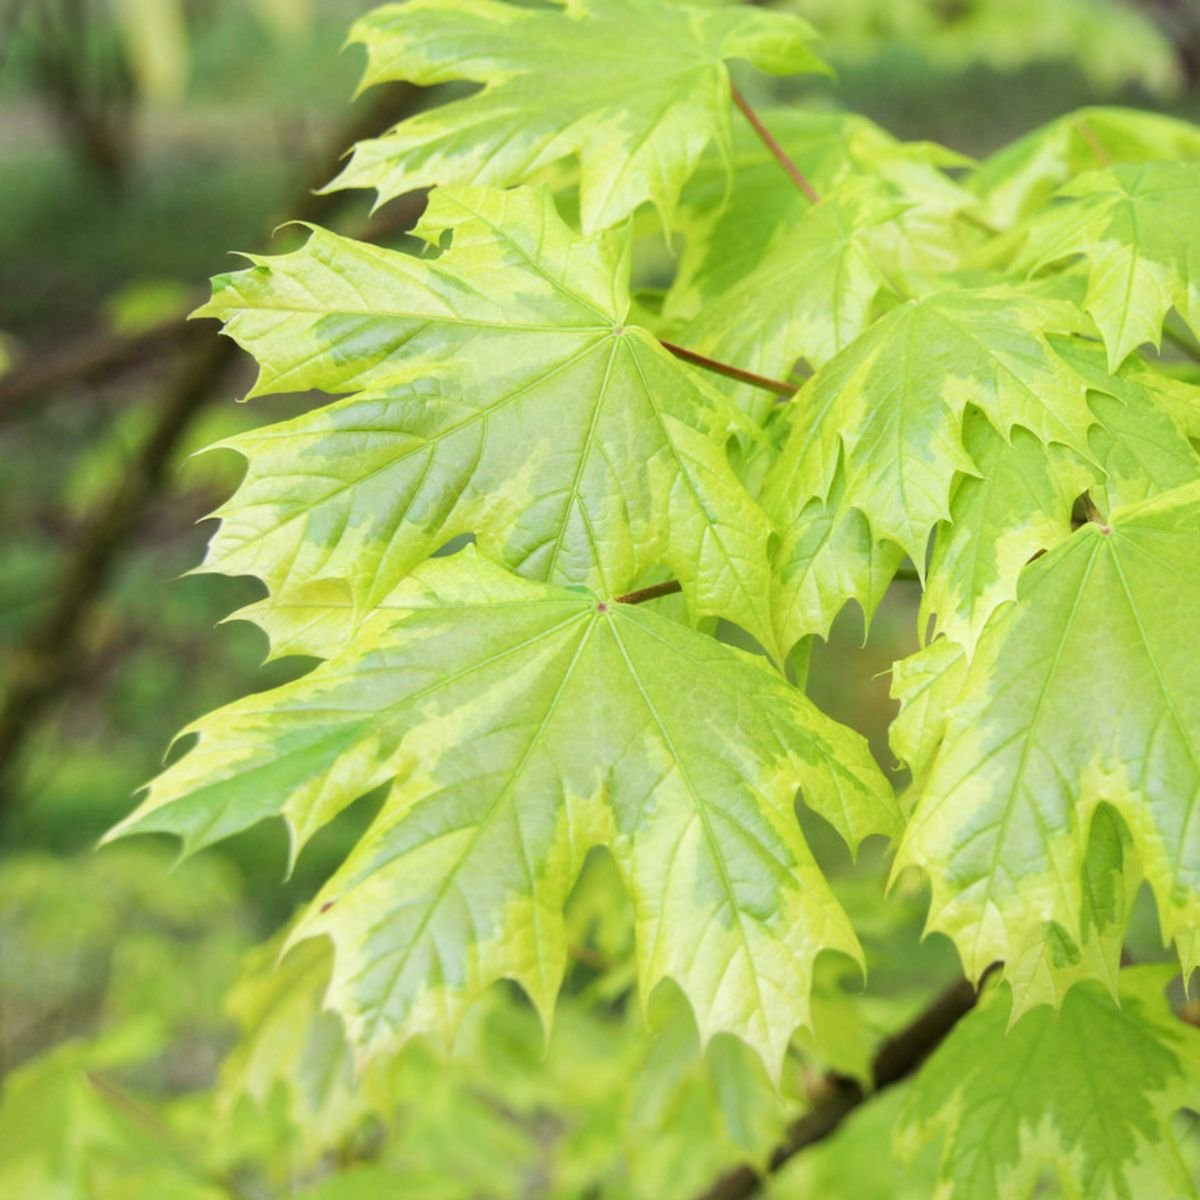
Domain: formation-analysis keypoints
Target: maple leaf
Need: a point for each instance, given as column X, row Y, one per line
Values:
column 518, row 725
column 291, row 1045
column 67, row 1133
column 765, row 278
column 635, row 88
column 497, row 391
column 1021, row 502
column 1089, row 1091
column 1076, row 698
column 1133, row 225
column 810, row 295
column 1018, row 504
column 880, row 428
column 1021, row 178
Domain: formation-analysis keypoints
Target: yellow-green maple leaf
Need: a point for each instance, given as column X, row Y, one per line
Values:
column 496, row 391
column 636, row 89
column 518, row 725
column 1077, row 697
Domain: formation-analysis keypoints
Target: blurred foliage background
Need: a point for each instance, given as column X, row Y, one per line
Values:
column 140, row 142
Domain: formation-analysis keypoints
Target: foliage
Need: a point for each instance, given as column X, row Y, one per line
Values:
column 693, row 380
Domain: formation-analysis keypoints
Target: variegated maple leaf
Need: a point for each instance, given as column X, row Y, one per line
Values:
column 636, row 89
column 496, row 390
column 1077, row 699
column 517, row 725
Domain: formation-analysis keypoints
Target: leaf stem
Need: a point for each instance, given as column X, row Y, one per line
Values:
column 768, row 140
column 719, row 368
column 651, row 593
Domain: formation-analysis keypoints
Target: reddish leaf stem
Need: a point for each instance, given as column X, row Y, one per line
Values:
column 720, row 368
column 651, row 593
column 768, row 140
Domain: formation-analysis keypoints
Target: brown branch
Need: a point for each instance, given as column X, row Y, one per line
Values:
column 670, row 588
column 779, row 388
column 896, row 1059
column 768, row 140
column 54, row 652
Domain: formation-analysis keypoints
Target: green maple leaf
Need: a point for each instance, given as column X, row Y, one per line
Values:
column 810, row 295
column 635, row 88
column 1133, row 225
column 293, row 1051
column 1077, row 697
column 66, row 1133
column 496, row 391
column 1089, row 1092
column 765, row 278
column 879, row 432
column 727, row 234
column 1020, row 503
column 1141, row 441
column 1019, row 179
column 519, row 724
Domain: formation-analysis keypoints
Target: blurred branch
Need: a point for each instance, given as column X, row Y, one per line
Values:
column 839, row 1096
column 53, row 655
column 91, row 359
column 97, row 358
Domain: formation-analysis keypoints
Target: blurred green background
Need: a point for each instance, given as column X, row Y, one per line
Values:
column 141, row 141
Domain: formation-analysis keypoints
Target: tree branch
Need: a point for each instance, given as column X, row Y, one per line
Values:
column 896, row 1059
column 768, row 140
column 786, row 390
column 48, row 659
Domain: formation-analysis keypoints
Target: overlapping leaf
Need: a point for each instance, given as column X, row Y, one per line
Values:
column 1077, row 697
column 1135, row 226
column 497, row 392
column 878, row 440
column 1021, row 502
column 1089, row 1092
column 1018, row 504
column 766, row 279
column 635, row 88
column 1019, row 179
column 67, row 1133
column 519, row 724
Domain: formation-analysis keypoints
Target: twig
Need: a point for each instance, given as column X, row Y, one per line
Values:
column 785, row 390
column 768, row 140
column 45, row 664
column 897, row 1058
column 670, row 588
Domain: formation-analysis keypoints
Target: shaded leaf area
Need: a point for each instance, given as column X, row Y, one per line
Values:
column 497, row 392
column 635, row 89
column 1087, row 1095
